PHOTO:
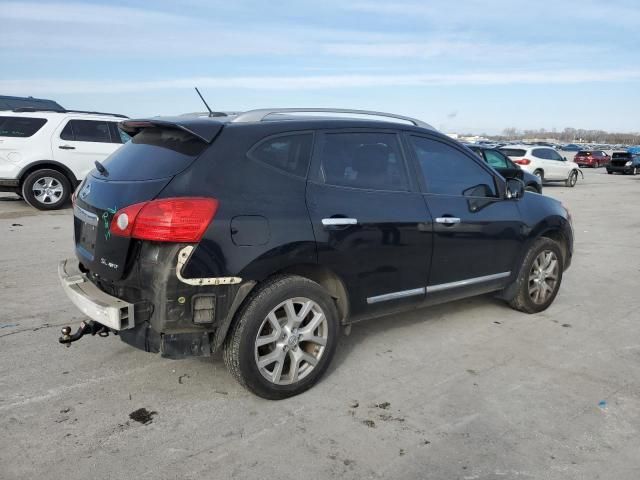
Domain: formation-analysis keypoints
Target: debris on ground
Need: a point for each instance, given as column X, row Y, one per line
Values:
column 142, row 415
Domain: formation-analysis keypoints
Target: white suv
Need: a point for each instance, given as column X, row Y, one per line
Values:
column 543, row 162
column 45, row 154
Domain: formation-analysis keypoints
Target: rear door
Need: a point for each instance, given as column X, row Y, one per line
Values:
column 371, row 224
column 78, row 143
column 476, row 232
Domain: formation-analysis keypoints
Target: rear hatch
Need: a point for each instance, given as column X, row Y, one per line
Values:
column 619, row 159
column 583, row 156
column 137, row 172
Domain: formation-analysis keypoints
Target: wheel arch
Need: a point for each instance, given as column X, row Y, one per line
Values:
column 51, row 164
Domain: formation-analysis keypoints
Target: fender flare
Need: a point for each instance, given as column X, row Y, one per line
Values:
column 51, row 163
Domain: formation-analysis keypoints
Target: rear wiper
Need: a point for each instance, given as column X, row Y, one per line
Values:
column 101, row 168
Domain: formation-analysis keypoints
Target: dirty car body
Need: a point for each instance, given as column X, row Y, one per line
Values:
column 192, row 216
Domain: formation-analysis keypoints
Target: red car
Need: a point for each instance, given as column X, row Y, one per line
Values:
column 592, row 158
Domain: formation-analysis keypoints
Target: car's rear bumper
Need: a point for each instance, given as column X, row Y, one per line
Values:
column 101, row 307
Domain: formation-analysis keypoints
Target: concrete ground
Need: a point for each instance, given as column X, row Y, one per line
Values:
column 470, row 390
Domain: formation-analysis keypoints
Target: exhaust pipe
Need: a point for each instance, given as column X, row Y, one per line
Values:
column 92, row 327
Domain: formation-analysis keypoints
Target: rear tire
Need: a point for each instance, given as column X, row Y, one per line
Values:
column 540, row 175
column 539, row 277
column 46, row 189
column 275, row 349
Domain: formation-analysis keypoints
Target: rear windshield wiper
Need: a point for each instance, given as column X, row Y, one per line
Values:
column 101, row 168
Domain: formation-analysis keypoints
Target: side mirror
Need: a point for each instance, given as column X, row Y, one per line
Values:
column 515, row 188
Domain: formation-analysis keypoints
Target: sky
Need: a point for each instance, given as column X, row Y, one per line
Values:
column 462, row 66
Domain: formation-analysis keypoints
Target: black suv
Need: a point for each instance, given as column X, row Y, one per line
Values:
column 624, row 162
column 262, row 233
column 505, row 167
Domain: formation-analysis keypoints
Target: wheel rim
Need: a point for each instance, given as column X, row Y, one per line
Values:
column 291, row 340
column 47, row 190
column 543, row 276
column 573, row 178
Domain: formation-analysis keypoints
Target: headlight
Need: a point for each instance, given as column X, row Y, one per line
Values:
column 628, row 164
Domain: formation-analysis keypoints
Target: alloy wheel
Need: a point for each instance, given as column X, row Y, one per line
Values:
column 543, row 276
column 291, row 341
column 47, row 190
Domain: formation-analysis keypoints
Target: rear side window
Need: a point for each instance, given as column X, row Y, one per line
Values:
column 363, row 160
column 86, row 131
column 154, row 153
column 447, row 171
column 20, row 127
column 496, row 159
column 541, row 153
column 288, row 153
column 513, row 152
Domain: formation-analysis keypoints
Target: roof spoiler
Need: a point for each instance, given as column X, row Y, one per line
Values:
column 205, row 131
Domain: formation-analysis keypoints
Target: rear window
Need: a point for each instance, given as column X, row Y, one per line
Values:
column 621, row 155
column 513, row 152
column 153, row 153
column 20, row 127
column 584, row 152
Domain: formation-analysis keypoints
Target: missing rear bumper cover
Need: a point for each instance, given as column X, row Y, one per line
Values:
column 183, row 256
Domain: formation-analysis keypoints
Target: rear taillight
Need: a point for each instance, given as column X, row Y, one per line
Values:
column 182, row 219
column 523, row 161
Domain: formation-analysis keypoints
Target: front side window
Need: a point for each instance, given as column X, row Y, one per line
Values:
column 288, row 153
column 553, row 155
column 20, row 127
column 86, row 131
column 448, row 171
column 363, row 160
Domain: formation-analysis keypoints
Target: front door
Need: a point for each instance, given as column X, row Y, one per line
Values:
column 370, row 222
column 477, row 233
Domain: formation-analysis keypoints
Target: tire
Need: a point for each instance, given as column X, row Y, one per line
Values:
column 635, row 171
column 529, row 279
column 46, row 189
column 540, row 175
column 531, row 188
column 572, row 179
column 609, row 172
column 284, row 346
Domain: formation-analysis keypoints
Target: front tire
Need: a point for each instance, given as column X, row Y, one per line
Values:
column 539, row 277
column 283, row 338
column 572, row 179
column 46, row 189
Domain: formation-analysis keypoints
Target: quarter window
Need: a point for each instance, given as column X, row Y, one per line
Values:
column 288, row 153
column 86, row 131
column 447, row 171
column 20, row 127
column 363, row 160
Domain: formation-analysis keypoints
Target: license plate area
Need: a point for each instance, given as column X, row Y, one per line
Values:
column 87, row 231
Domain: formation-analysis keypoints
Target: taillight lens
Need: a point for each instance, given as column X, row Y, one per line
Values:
column 523, row 161
column 183, row 219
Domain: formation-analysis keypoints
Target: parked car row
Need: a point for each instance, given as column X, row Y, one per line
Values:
column 544, row 162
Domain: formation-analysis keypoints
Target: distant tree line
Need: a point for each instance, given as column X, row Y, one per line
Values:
column 571, row 135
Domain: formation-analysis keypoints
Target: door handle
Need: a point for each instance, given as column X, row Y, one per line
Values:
column 66, row 147
column 339, row 222
column 448, row 220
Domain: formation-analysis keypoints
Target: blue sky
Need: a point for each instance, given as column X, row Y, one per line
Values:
column 476, row 66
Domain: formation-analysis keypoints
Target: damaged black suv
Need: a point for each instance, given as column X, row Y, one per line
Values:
column 263, row 233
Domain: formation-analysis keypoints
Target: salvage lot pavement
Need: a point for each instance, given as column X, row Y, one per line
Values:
column 470, row 390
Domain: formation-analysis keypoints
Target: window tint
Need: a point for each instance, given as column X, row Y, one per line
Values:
column 541, row 153
column 553, row 155
column 496, row 159
column 124, row 136
column 289, row 153
column 513, row 152
column 621, row 155
column 20, row 127
column 86, row 131
column 363, row 160
column 448, row 171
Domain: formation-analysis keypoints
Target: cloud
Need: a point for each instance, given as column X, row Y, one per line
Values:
column 319, row 82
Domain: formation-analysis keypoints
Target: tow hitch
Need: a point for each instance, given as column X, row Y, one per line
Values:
column 92, row 327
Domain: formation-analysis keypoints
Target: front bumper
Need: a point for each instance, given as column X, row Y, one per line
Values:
column 105, row 309
column 621, row 169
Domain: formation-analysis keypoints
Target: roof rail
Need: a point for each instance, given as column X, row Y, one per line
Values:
column 261, row 114
column 36, row 109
